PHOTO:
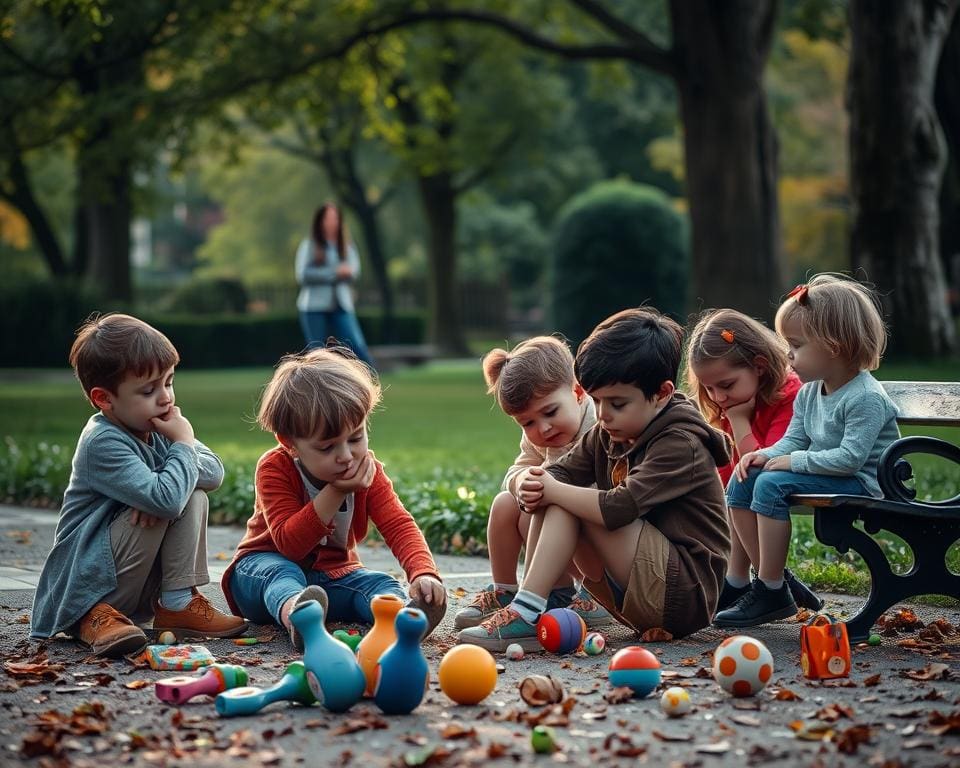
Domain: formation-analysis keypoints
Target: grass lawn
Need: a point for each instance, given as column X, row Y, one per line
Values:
column 444, row 442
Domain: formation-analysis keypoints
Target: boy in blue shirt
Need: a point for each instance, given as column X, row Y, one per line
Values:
column 133, row 522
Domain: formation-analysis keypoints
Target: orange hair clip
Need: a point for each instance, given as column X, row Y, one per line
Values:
column 727, row 335
column 800, row 293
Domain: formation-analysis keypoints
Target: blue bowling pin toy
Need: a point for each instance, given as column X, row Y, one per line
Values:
column 334, row 676
column 402, row 672
column 249, row 699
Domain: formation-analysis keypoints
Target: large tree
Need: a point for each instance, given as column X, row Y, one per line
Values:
column 896, row 163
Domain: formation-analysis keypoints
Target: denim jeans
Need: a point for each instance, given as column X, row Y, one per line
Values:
column 343, row 326
column 766, row 492
column 262, row 582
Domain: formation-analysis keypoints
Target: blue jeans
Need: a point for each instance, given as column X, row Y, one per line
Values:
column 262, row 582
column 343, row 326
column 766, row 492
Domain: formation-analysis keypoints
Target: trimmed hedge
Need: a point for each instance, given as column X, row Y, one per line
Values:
column 49, row 313
column 617, row 245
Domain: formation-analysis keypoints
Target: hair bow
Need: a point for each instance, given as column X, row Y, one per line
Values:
column 800, row 293
column 727, row 335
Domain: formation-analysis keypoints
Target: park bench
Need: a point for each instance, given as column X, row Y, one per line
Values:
column 390, row 356
column 928, row 527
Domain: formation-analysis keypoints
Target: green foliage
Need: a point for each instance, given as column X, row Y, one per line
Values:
column 208, row 296
column 616, row 245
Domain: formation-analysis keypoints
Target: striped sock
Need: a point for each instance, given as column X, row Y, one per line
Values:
column 529, row 606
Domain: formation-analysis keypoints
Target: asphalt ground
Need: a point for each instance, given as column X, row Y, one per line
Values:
column 900, row 705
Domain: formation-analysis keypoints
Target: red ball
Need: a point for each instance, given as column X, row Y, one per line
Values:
column 561, row 630
column 634, row 657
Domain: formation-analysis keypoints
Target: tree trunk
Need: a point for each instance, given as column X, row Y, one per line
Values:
column 103, row 222
column 731, row 152
column 947, row 101
column 896, row 161
column 22, row 198
column 439, row 205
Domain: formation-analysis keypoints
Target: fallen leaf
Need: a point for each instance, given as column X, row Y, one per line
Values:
column 811, row 730
column 624, row 746
column 849, row 740
column 671, row 736
column 618, row 695
column 136, row 685
column 785, row 694
column 539, row 690
column 935, row 671
column 940, row 724
column 833, row 712
column 717, row 748
column 656, row 635
column 753, row 722
column 458, row 731
column 872, row 681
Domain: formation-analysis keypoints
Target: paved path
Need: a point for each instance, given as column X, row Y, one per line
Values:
column 719, row 732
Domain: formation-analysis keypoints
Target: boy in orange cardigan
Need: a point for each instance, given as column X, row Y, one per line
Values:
column 316, row 493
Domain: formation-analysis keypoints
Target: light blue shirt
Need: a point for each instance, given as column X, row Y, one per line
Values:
column 842, row 433
column 320, row 288
column 112, row 472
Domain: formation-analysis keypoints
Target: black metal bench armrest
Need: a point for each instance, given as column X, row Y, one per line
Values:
column 893, row 470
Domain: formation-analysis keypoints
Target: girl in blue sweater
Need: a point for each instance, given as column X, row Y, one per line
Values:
column 842, row 421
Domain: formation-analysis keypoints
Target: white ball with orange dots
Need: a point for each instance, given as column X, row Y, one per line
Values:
column 742, row 665
column 675, row 702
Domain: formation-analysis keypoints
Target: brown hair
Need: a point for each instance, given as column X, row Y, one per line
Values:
column 725, row 334
column 534, row 368
column 110, row 347
column 321, row 392
column 841, row 313
column 320, row 241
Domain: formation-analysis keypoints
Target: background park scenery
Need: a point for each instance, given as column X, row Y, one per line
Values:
column 505, row 169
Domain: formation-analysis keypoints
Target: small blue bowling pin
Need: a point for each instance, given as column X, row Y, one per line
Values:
column 334, row 676
column 292, row 686
column 402, row 672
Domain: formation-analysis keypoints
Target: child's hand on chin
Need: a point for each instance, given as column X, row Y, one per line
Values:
column 174, row 426
column 361, row 477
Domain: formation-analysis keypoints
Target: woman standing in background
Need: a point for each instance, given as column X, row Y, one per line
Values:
column 327, row 265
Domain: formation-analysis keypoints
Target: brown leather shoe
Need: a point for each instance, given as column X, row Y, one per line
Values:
column 198, row 619
column 109, row 633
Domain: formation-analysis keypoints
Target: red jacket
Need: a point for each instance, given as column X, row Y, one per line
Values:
column 769, row 422
column 284, row 521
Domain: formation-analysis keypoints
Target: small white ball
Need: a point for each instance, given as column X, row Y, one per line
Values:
column 514, row 652
column 167, row 638
column 675, row 702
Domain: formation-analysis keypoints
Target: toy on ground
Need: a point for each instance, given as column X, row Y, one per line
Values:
column 167, row 638
column 675, row 702
column 178, row 657
column 333, row 674
column 467, row 674
column 402, row 672
column 874, row 640
column 292, row 686
column 246, row 640
column 543, row 740
column 636, row 668
column 383, row 634
column 349, row 637
column 824, row 648
column 742, row 665
column 216, row 678
column 594, row 643
column 514, row 652
column 561, row 630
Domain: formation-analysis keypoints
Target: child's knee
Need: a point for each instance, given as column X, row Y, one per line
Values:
column 504, row 511
column 197, row 505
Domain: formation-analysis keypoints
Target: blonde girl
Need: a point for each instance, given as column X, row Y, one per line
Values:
column 737, row 373
column 534, row 384
column 842, row 421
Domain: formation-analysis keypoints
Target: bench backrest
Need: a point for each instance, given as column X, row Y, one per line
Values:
column 931, row 403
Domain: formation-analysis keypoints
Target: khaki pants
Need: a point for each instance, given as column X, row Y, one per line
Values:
column 170, row 555
column 644, row 595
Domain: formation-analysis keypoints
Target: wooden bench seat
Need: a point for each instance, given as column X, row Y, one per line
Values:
column 928, row 527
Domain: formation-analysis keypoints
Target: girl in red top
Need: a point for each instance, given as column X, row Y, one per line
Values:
column 316, row 493
column 738, row 374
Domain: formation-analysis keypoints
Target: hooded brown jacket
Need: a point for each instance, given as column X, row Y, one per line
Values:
column 673, row 484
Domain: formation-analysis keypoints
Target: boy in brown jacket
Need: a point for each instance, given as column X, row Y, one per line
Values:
column 652, row 537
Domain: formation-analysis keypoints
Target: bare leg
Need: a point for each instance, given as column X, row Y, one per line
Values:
column 504, row 538
column 774, row 538
column 555, row 535
column 739, row 563
column 745, row 528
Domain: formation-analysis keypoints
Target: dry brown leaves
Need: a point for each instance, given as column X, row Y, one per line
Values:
column 656, row 635
column 539, row 690
column 364, row 720
column 935, row 671
column 52, row 726
column 621, row 745
column 35, row 671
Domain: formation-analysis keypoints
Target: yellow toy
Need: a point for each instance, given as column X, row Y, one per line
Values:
column 467, row 674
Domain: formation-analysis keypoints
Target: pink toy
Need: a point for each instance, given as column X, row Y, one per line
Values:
column 216, row 679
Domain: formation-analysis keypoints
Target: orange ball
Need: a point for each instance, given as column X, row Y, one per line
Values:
column 467, row 674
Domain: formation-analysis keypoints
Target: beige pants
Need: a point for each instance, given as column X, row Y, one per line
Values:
column 170, row 555
column 644, row 595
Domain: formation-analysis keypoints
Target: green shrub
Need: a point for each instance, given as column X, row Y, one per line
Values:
column 617, row 245
column 208, row 296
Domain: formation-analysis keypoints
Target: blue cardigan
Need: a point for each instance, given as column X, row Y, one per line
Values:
column 112, row 472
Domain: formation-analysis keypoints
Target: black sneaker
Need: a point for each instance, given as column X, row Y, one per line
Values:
column 803, row 596
column 560, row 597
column 730, row 594
column 758, row 606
